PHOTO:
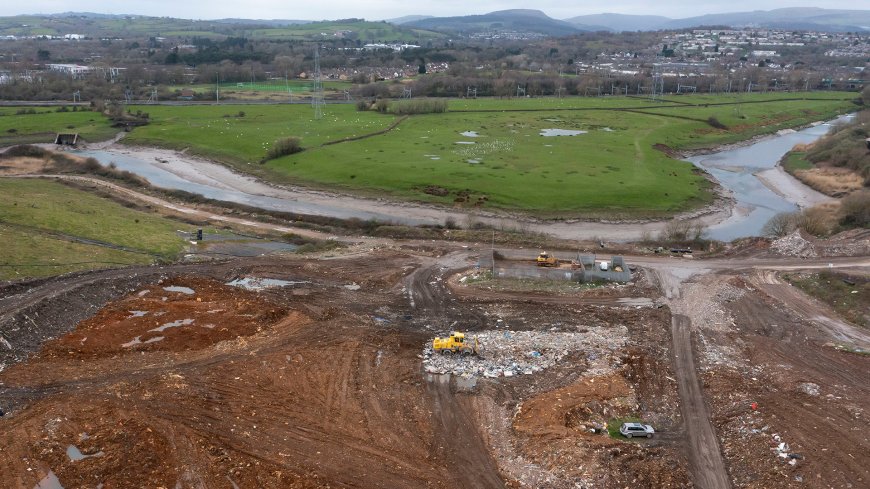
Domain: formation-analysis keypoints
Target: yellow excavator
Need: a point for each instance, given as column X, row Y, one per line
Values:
column 456, row 343
column 546, row 260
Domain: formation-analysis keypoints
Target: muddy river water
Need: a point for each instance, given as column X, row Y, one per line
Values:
column 737, row 170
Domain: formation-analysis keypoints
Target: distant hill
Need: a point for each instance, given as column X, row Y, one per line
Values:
column 408, row 18
column 621, row 22
column 266, row 22
column 520, row 20
column 98, row 25
column 810, row 18
column 784, row 18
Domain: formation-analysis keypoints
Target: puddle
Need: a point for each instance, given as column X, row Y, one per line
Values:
column 178, row 288
column 143, row 293
column 257, row 283
column 136, row 314
column 432, row 157
column 474, row 161
column 50, row 481
column 606, row 129
column 173, row 324
column 470, row 134
column 560, row 132
column 138, row 341
column 353, row 286
column 75, row 454
column 465, row 142
column 378, row 358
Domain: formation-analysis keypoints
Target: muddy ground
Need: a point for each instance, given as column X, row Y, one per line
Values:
column 170, row 377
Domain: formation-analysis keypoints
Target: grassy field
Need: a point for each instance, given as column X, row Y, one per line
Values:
column 613, row 169
column 43, row 126
column 45, row 226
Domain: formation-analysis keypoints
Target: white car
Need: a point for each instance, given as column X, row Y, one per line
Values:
column 636, row 429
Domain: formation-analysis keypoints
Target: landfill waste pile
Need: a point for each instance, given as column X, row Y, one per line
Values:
column 510, row 353
column 794, row 245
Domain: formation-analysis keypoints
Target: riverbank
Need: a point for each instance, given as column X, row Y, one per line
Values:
column 172, row 169
column 176, row 170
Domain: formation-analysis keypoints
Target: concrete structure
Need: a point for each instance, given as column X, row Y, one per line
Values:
column 585, row 268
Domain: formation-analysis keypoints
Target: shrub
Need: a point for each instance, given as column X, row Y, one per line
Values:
column 815, row 221
column 25, row 150
column 714, row 122
column 780, row 225
column 283, row 147
column 855, row 210
column 682, row 232
column 362, row 105
column 423, row 106
column 241, row 113
column 382, row 105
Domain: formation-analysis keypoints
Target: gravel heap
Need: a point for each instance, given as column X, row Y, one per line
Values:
column 509, row 353
column 794, row 245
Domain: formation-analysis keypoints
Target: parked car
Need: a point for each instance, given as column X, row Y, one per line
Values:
column 636, row 429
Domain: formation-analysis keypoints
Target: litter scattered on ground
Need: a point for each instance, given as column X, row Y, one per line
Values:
column 510, row 353
column 809, row 388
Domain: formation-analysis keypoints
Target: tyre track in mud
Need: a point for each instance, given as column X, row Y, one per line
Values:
column 706, row 463
column 814, row 311
column 705, row 456
column 457, row 436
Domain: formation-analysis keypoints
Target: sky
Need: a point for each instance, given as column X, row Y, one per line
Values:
column 388, row 9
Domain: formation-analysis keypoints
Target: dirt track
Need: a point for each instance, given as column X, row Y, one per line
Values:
column 705, row 459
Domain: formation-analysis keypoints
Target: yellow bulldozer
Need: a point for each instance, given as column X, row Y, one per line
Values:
column 456, row 343
column 546, row 260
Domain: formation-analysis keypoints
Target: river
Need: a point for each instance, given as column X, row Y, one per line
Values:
column 735, row 169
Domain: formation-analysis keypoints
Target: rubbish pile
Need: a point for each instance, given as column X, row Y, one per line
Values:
column 781, row 449
column 510, row 353
column 794, row 245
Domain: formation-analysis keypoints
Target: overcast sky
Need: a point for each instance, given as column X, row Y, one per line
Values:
column 387, row 9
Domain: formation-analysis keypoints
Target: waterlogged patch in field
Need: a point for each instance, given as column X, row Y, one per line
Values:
column 561, row 132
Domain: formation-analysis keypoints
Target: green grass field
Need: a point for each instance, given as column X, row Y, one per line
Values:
column 611, row 170
column 43, row 126
column 42, row 224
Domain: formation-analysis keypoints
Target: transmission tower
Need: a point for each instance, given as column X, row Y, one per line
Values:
column 128, row 96
column 152, row 99
column 520, row 91
column 471, row 92
column 317, row 96
column 406, row 93
column 77, row 96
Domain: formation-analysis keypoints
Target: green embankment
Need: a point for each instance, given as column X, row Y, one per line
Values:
column 611, row 170
column 43, row 125
column 47, row 228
